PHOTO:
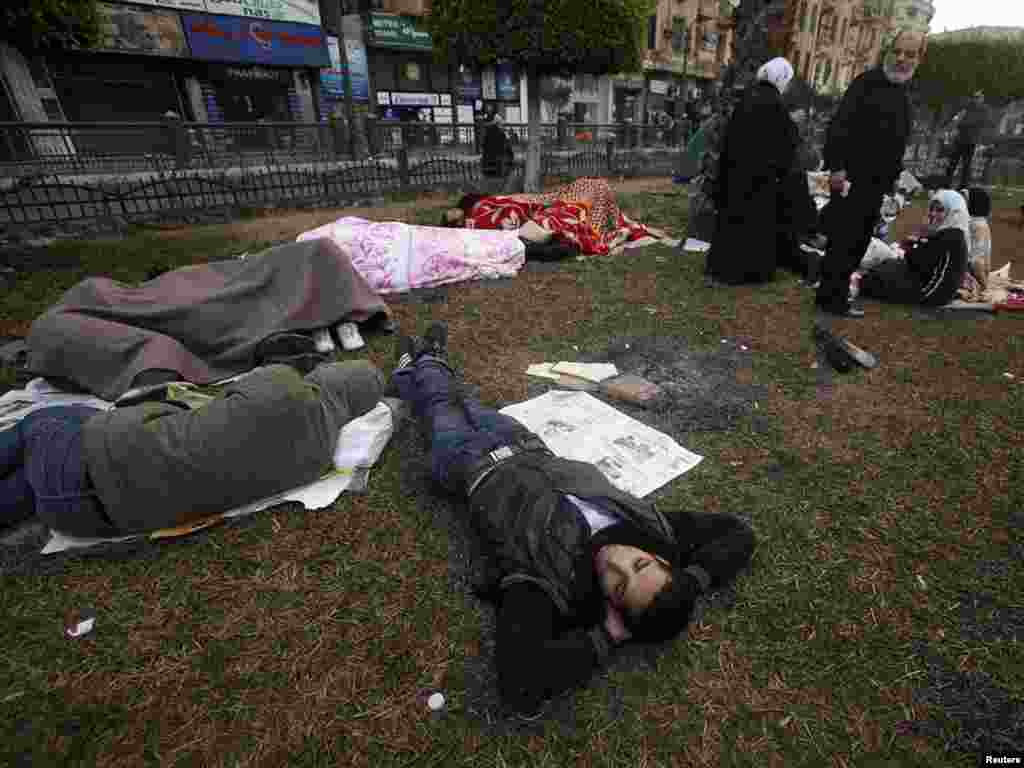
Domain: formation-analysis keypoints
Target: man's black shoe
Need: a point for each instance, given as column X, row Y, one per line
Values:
column 409, row 348
column 435, row 341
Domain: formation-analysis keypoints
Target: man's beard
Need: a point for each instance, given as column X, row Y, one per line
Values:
column 897, row 77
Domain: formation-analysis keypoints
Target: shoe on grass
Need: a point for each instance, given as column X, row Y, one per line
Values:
column 409, row 348
column 323, row 342
column 348, row 335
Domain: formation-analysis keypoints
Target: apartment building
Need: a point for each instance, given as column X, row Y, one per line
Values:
column 688, row 46
column 833, row 41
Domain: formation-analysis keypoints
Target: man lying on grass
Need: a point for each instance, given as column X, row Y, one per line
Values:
column 579, row 566
column 161, row 464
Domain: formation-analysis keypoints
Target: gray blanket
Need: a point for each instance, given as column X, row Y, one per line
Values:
column 204, row 322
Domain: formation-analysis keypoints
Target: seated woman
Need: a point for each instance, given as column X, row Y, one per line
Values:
column 933, row 266
column 979, row 245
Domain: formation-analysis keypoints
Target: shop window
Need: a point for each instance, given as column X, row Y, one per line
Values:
column 586, row 84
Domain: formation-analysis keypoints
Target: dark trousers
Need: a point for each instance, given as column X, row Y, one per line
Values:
column 461, row 430
column 42, row 468
column 851, row 223
column 963, row 155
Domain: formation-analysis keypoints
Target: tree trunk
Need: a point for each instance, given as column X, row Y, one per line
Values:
column 532, row 181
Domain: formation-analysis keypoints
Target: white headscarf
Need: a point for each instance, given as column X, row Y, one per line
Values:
column 956, row 212
column 778, row 72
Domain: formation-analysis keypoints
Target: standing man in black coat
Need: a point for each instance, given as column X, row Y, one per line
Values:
column 498, row 161
column 864, row 150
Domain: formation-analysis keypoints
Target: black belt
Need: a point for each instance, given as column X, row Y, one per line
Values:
column 490, row 461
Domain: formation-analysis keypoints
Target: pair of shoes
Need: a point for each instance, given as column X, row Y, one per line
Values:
column 434, row 343
column 843, row 310
column 348, row 335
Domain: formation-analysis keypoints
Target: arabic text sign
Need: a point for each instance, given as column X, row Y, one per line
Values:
column 229, row 38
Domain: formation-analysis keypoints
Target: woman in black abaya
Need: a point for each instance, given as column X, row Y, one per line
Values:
column 758, row 154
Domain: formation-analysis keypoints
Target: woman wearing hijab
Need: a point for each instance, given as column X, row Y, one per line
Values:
column 758, row 153
column 864, row 150
column 933, row 266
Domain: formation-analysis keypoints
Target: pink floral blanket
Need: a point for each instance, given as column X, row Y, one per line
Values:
column 395, row 257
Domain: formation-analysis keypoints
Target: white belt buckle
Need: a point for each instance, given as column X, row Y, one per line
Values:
column 500, row 454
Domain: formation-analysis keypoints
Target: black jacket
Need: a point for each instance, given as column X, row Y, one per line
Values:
column 938, row 265
column 868, row 134
column 550, row 631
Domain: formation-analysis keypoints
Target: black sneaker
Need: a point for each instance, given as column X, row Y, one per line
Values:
column 435, row 341
column 409, row 348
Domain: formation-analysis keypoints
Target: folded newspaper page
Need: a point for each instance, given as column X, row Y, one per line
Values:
column 575, row 425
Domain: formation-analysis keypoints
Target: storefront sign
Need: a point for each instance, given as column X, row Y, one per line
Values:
column 659, row 87
column 414, row 99
column 358, row 70
column 229, row 38
column 332, row 80
column 179, row 5
column 252, row 74
column 134, row 30
column 507, row 82
column 296, row 11
column 389, row 31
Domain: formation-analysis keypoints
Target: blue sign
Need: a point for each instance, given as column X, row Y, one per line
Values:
column 470, row 85
column 358, row 70
column 506, row 82
column 255, row 41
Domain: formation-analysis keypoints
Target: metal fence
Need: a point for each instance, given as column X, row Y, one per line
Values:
column 55, row 173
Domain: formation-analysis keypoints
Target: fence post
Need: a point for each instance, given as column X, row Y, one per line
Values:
column 609, row 148
column 404, row 180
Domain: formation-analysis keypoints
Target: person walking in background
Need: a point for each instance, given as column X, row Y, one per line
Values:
column 973, row 125
column 498, row 161
column 864, row 149
column 760, row 147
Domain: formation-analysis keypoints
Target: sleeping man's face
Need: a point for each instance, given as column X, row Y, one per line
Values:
column 630, row 577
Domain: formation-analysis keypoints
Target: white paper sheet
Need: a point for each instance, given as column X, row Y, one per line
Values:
column 575, row 425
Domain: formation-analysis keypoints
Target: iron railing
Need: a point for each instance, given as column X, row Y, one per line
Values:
column 57, row 172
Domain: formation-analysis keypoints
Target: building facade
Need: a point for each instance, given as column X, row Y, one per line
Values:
column 833, row 41
column 688, row 46
column 216, row 61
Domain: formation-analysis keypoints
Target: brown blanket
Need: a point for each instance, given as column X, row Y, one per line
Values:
column 204, row 322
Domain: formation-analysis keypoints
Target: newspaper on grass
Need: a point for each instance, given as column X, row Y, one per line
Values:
column 575, row 425
column 360, row 444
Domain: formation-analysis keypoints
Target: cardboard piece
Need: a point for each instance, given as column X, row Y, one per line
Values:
column 630, row 388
